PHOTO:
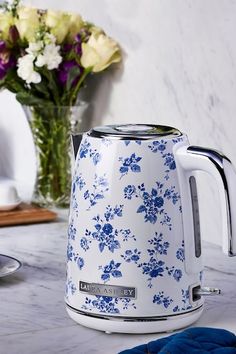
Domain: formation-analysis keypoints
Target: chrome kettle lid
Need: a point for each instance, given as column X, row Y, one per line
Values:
column 134, row 131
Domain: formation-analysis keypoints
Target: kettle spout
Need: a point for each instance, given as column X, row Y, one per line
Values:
column 76, row 140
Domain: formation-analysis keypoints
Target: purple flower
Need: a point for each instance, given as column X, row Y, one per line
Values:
column 7, row 61
column 65, row 69
column 78, row 38
column 78, row 44
column 2, row 46
column 78, row 49
column 67, row 47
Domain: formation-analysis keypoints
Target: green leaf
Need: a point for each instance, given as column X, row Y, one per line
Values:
column 52, row 85
column 72, row 75
column 31, row 100
column 42, row 88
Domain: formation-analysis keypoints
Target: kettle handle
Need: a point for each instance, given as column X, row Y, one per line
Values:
column 195, row 158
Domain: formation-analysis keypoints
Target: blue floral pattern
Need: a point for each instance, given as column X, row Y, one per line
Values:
column 129, row 164
column 176, row 273
column 110, row 270
column 105, row 234
column 153, row 202
column 78, row 182
column 158, row 246
column 84, row 243
column 100, row 187
column 170, row 194
column 70, row 287
column 107, row 304
column 161, row 299
column 127, row 142
column 154, row 267
column 86, row 150
column 180, row 253
column 74, row 257
column 131, row 256
column 71, row 230
column 159, row 146
column 129, row 191
column 185, row 302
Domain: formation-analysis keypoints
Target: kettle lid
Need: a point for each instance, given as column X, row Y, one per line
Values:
column 134, row 131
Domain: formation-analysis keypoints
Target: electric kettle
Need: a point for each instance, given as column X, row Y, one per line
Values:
column 134, row 247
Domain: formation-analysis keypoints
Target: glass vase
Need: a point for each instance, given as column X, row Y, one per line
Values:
column 51, row 128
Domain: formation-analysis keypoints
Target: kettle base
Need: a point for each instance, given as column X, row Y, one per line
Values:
column 143, row 325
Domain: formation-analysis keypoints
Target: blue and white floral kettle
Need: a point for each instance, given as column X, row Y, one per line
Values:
column 134, row 248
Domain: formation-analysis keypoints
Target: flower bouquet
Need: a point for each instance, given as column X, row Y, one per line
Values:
column 45, row 58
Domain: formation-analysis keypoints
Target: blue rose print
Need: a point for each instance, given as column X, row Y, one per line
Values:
column 110, row 270
column 107, row 304
column 129, row 164
column 104, row 233
column 160, row 299
column 185, row 302
column 180, row 253
column 86, row 150
column 153, row 202
column 159, row 146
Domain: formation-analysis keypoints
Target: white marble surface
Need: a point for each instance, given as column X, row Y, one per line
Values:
column 33, row 316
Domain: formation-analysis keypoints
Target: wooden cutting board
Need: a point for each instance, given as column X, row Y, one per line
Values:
column 26, row 214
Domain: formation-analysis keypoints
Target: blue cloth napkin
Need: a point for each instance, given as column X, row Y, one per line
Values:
column 191, row 341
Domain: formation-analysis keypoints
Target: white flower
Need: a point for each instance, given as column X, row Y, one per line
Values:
column 49, row 38
column 34, row 48
column 49, row 57
column 26, row 69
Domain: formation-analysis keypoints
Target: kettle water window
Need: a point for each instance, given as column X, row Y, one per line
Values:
column 196, row 220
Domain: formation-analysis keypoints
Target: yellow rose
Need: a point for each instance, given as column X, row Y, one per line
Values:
column 75, row 24
column 27, row 23
column 100, row 52
column 6, row 21
column 58, row 22
column 96, row 30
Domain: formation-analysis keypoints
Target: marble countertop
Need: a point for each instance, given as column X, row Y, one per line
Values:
column 33, row 315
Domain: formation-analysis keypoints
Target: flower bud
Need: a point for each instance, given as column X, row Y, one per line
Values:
column 13, row 34
column 2, row 46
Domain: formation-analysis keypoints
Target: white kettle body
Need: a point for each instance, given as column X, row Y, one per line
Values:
column 134, row 249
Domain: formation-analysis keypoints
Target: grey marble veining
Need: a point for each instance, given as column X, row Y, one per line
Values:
column 32, row 309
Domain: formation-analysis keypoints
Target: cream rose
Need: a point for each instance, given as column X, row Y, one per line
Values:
column 27, row 23
column 58, row 22
column 6, row 21
column 100, row 52
column 75, row 24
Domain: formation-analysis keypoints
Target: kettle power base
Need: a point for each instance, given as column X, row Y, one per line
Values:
column 141, row 325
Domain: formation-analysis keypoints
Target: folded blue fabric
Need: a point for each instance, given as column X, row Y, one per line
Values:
column 193, row 340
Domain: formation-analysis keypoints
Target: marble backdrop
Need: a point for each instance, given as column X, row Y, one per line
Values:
column 178, row 69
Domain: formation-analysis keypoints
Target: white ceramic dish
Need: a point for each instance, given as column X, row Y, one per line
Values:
column 8, row 265
column 11, row 206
